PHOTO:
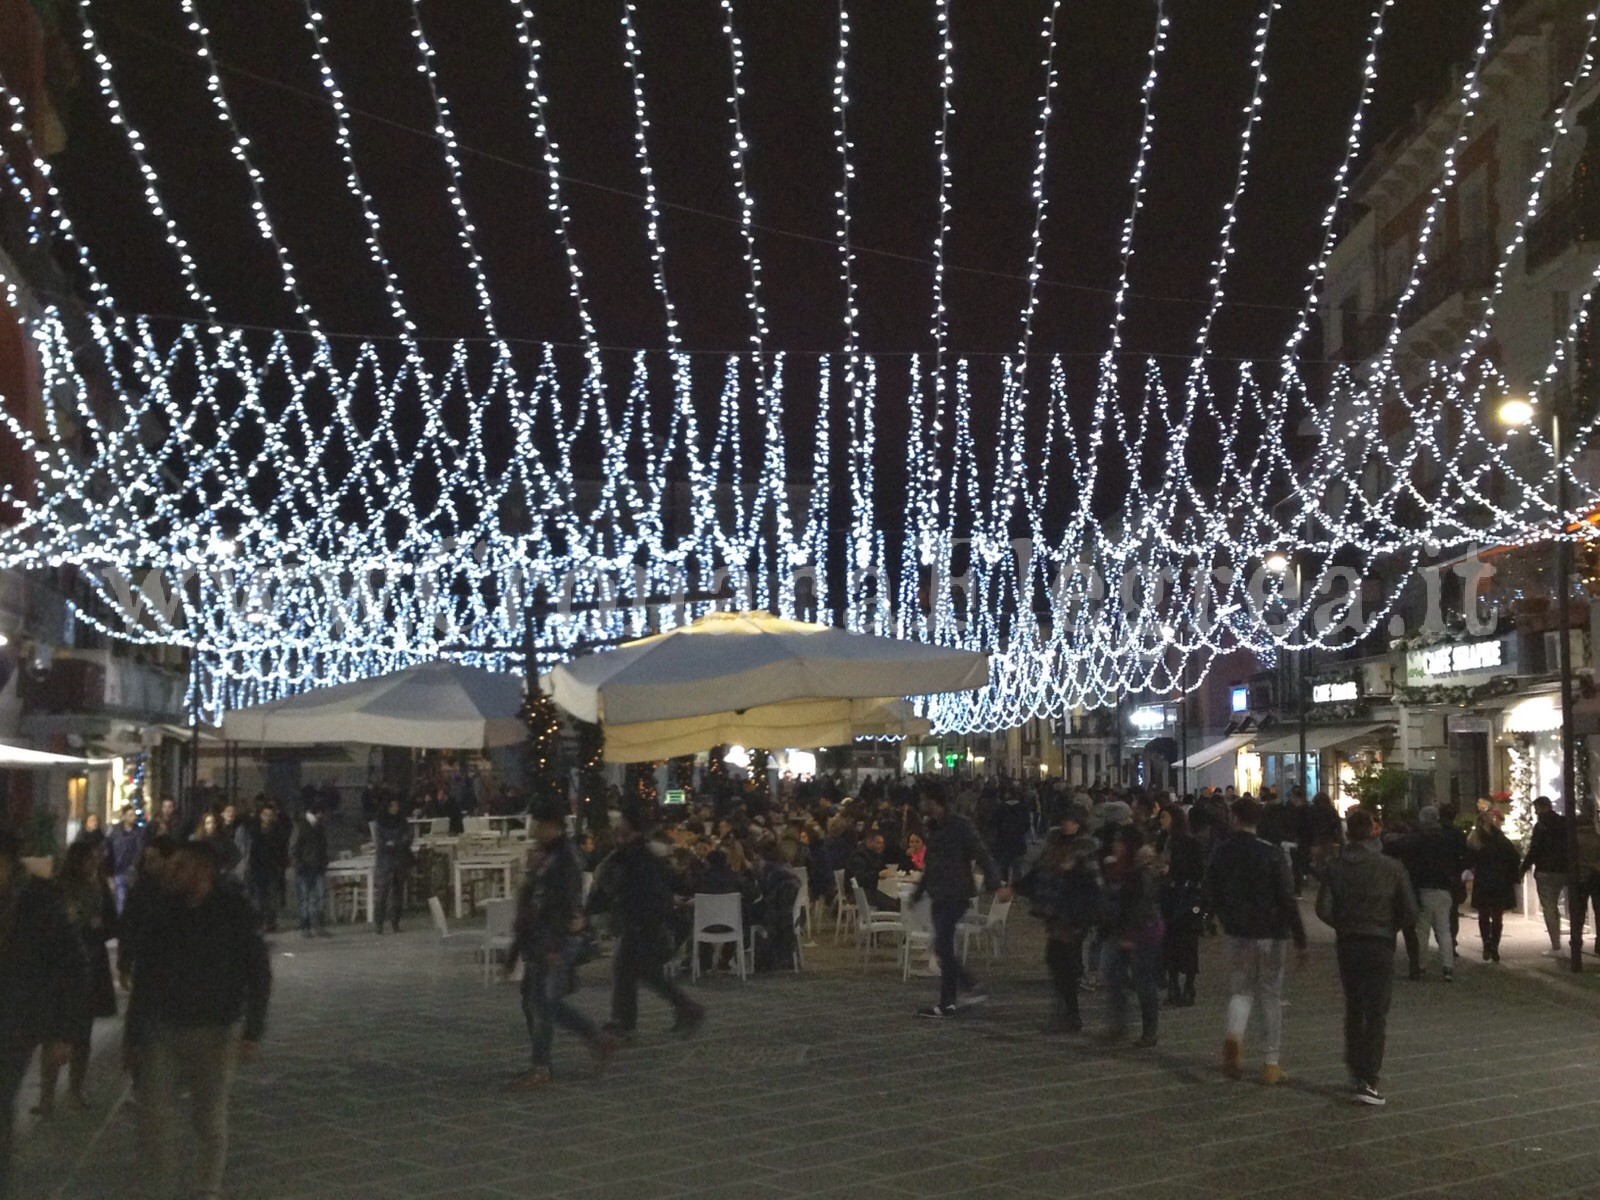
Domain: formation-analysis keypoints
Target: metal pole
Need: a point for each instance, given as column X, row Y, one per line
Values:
column 1300, row 687
column 1569, row 796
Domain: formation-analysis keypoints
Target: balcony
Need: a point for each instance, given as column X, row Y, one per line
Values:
column 1465, row 267
column 1573, row 218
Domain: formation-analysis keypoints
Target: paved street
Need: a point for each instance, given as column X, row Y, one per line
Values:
column 385, row 1071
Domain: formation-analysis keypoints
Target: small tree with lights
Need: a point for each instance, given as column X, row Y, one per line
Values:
column 542, row 761
column 591, row 781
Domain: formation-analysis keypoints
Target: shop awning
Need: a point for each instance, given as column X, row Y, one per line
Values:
column 20, row 758
column 1319, row 738
column 1229, row 744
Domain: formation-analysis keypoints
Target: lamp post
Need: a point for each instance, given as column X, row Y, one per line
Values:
column 1278, row 563
column 1516, row 412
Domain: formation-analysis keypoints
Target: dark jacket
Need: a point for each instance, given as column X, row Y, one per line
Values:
column 123, row 847
column 1547, row 849
column 308, row 846
column 1011, row 824
column 1134, row 899
column 552, row 895
column 392, row 843
column 43, row 970
column 269, row 852
column 638, row 885
column 1496, row 867
column 863, row 868
column 953, row 848
column 1435, row 858
column 200, row 966
column 1365, row 893
column 1250, row 888
column 1064, row 887
column 93, row 914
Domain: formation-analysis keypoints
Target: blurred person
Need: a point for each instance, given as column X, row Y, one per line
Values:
column 1434, row 857
column 1496, row 867
column 1130, row 950
column 953, row 849
column 1065, row 889
column 1547, row 859
column 86, row 898
column 198, row 1009
column 308, row 852
column 392, row 855
column 43, row 985
column 1183, row 869
column 123, row 846
column 269, row 865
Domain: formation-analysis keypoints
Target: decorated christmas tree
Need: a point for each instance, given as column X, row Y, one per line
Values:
column 542, row 762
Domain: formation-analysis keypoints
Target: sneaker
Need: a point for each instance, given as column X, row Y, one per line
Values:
column 1272, row 1075
column 1146, row 1041
column 938, row 1012
column 972, row 999
column 1365, row 1093
column 1233, row 1057
column 1487, row 954
column 1449, row 976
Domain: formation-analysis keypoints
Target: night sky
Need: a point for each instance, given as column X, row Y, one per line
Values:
column 790, row 45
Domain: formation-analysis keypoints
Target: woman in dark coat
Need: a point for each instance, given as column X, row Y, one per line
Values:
column 1183, row 869
column 86, row 896
column 1496, row 866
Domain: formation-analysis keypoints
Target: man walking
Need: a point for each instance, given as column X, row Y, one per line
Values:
column 1547, row 859
column 197, row 1010
column 547, row 938
column 1434, row 857
column 123, row 847
column 1365, row 896
column 1250, row 887
column 953, row 848
column 637, row 884
column 308, row 851
column 44, row 984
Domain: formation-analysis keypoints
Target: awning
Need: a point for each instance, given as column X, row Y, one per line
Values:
column 1204, row 758
column 1319, row 738
column 20, row 758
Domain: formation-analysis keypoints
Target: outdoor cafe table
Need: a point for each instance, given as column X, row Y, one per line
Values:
column 502, row 861
column 502, row 825
column 362, row 867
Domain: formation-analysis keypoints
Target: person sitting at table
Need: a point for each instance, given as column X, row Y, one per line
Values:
column 717, row 877
column 916, row 852
column 866, row 867
column 779, row 886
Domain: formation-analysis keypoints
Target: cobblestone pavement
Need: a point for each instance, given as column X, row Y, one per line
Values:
column 385, row 1072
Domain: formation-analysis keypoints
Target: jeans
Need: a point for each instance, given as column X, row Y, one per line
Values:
column 1143, row 962
column 389, row 896
column 1550, row 885
column 1366, row 972
column 120, row 886
column 1256, row 968
column 1491, row 924
column 954, row 977
column 1063, row 954
column 638, row 961
column 13, row 1066
column 201, row 1059
column 311, row 889
column 1433, row 914
column 1589, row 895
column 545, row 985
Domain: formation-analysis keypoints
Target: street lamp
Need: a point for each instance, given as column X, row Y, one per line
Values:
column 1278, row 563
column 1517, row 412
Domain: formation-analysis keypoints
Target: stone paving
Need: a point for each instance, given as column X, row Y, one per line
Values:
column 385, row 1072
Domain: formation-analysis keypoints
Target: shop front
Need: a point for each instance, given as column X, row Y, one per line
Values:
column 1227, row 761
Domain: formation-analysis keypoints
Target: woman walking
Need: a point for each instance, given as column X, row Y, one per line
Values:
column 1132, row 940
column 1496, row 866
column 86, row 896
column 1065, row 890
column 1183, row 869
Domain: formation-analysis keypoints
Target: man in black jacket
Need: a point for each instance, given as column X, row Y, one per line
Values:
column 1250, row 888
column 392, row 859
column 198, row 1008
column 866, row 868
column 636, row 883
column 1547, row 859
column 308, row 851
column 953, row 848
column 548, row 940
column 44, row 984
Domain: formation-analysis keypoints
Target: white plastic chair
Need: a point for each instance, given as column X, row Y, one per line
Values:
column 918, row 921
column 804, row 913
column 870, row 923
column 499, row 917
column 844, row 912
column 990, row 927
column 464, row 939
column 718, row 921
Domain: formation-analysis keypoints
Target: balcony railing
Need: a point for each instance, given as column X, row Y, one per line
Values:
column 1569, row 219
column 1465, row 267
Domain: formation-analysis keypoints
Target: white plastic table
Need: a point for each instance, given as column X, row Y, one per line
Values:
column 502, row 861
column 363, row 866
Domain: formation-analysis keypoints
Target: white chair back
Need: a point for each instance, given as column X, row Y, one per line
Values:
column 475, row 825
column 718, row 920
column 499, row 917
column 436, row 910
column 863, row 905
column 918, row 917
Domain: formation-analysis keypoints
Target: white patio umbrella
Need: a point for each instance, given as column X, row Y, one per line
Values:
column 757, row 680
column 431, row 706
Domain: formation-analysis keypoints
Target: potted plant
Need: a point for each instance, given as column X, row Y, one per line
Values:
column 1381, row 787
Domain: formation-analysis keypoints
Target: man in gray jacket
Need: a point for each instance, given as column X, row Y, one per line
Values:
column 1366, row 897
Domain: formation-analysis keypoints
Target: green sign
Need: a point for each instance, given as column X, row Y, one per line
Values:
column 951, row 758
column 676, row 796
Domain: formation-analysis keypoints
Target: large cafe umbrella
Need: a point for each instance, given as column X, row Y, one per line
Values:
column 757, row 680
column 431, row 706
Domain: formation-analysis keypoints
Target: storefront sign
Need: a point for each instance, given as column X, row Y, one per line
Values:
column 1335, row 693
column 1240, row 699
column 1148, row 717
column 1438, row 663
column 1469, row 723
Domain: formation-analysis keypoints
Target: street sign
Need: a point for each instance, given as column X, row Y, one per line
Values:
column 676, row 796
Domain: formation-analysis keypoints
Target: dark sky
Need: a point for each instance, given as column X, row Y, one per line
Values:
column 1313, row 67
column 1313, row 72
